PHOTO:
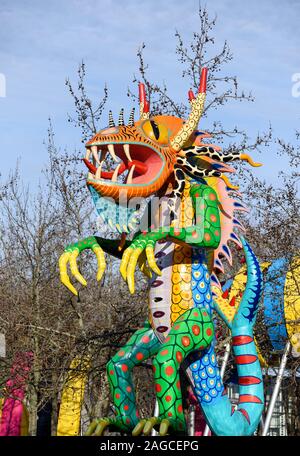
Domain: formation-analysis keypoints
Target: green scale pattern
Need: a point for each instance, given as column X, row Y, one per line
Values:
column 207, row 214
column 193, row 330
column 205, row 233
column 142, row 345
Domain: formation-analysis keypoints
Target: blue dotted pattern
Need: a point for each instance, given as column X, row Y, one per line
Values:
column 114, row 213
column 206, row 376
column 201, row 290
column 205, row 371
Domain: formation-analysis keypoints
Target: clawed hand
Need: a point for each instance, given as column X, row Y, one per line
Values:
column 70, row 257
column 141, row 252
column 138, row 252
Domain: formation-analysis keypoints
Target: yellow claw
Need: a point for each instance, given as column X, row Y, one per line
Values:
column 102, row 425
column 248, row 159
column 164, row 427
column 151, row 260
column 62, row 262
column 74, row 267
column 143, row 266
column 91, row 428
column 131, row 268
column 64, row 278
column 125, row 259
column 71, row 258
column 101, row 262
column 138, row 430
column 150, row 425
column 145, row 270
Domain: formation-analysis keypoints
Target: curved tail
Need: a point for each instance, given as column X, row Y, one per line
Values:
column 221, row 416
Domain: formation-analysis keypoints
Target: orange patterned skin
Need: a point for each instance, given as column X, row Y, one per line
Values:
column 142, row 149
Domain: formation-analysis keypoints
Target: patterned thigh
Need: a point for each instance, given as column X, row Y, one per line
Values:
column 142, row 345
column 193, row 330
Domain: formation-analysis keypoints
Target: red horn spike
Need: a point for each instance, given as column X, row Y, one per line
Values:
column 142, row 92
column 191, row 95
column 203, row 80
column 142, row 97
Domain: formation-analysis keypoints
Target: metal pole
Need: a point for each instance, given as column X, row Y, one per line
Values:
column 225, row 360
column 261, row 425
column 192, row 414
column 276, row 388
column 156, row 413
column 222, row 372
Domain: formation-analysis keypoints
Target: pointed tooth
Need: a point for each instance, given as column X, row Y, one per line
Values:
column 98, row 172
column 103, row 155
column 88, row 153
column 130, row 174
column 112, row 151
column 91, row 176
column 115, row 174
column 95, row 154
column 127, row 152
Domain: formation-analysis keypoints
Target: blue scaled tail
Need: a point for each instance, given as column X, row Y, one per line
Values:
column 221, row 416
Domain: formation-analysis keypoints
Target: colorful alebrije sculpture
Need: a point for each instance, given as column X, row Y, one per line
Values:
column 166, row 157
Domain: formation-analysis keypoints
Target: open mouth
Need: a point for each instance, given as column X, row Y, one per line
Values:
column 123, row 163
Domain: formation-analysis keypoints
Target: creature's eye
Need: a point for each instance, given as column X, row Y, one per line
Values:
column 157, row 132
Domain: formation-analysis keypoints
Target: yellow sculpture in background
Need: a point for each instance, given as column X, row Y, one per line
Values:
column 72, row 398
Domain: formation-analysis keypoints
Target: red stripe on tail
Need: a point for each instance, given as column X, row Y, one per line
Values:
column 245, row 359
column 249, row 398
column 241, row 340
column 243, row 411
column 246, row 380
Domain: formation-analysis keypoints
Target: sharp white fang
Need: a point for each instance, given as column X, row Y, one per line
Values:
column 129, row 178
column 88, row 153
column 112, row 151
column 127, row 152
column 91, row 176
column 95, row 154
column 98, row 172
column 115, row 174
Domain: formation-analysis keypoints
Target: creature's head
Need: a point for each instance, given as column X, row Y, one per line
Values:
column 151, row 153
column 145, row 152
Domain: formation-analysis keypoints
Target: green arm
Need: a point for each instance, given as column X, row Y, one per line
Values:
column 110, row 246
column 205, row 232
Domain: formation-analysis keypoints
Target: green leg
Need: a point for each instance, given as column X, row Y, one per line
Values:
column 193, row 330
column 142, row 345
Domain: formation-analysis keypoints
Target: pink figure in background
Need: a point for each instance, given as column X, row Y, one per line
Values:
column 12, row 409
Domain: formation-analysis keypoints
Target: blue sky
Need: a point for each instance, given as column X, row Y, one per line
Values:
column 42, row 42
